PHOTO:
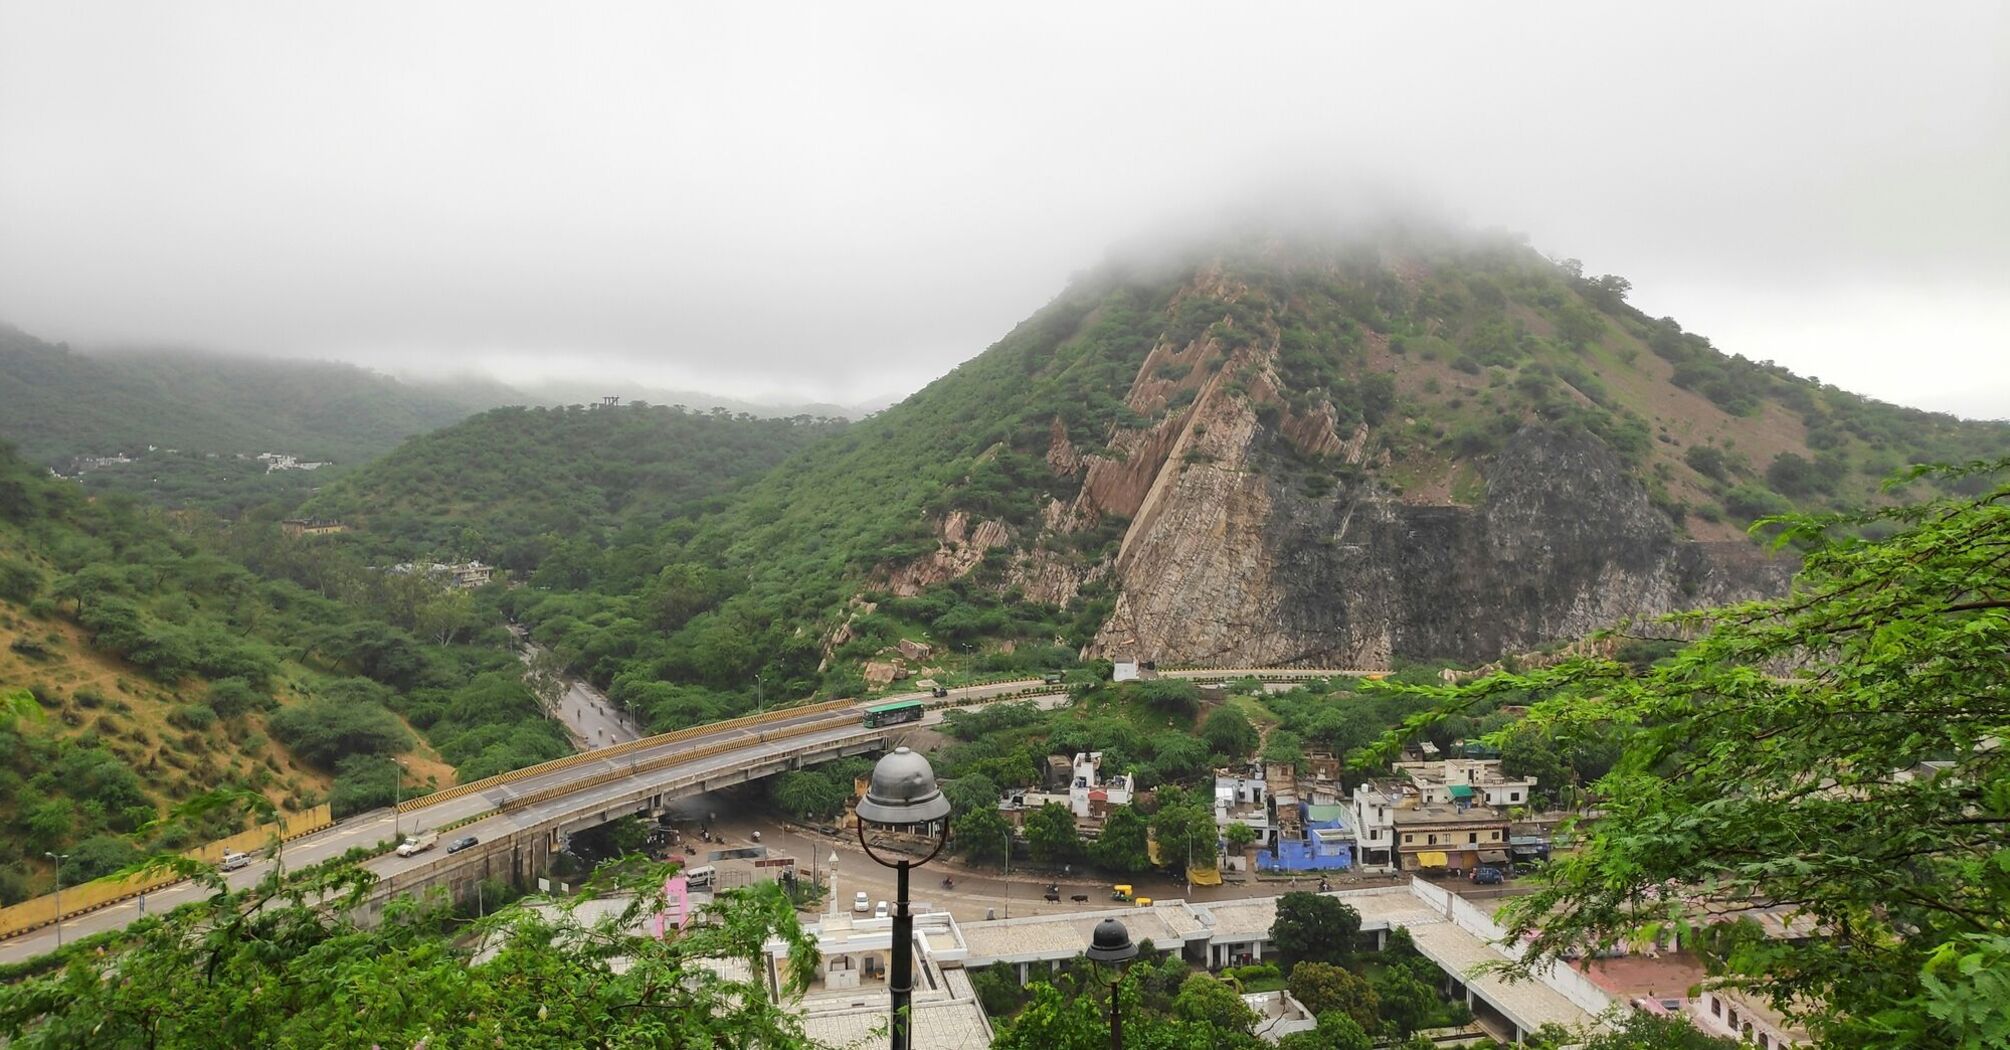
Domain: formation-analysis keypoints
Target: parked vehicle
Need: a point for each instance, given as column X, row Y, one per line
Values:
column 700, row 878
column 1488, row 875
column 1120, row 892
column 461, row 843
column 881, row 911
column 1051, row 679
column 418, row 844
column 1144, row 902
column 860, row 903
column 234, row 861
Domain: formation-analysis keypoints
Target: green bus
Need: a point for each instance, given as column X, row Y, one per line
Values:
column 894, row 713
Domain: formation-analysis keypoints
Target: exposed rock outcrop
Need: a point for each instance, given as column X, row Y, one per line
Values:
column 961, row 549
column 1239, row 569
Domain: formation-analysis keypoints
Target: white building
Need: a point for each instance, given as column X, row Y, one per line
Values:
column 1469, row 780
column 1240, row 799
column 1374, row 806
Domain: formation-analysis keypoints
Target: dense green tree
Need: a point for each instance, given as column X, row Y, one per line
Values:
column 1325, row 988
column 1238, row 836
column 980, row 833
column 1311, row 927
column 1745, row 786
column 1122, row 845
column 1228, row 732
column 1204, row 1000
column 1054, row 1020
column 1406, row 1001
column 1184, row 829
column 1335, row 1031
column 805, row 794
column 1051, row 836
column 269, row 967
column 324, row 731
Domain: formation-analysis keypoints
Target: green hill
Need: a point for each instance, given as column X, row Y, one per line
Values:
column 514, row 485
column 142, row 661
column 1409, row 444
column 56, row 404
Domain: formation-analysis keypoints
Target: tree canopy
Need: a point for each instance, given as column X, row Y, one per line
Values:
column 267, row 967
column 1833, row 757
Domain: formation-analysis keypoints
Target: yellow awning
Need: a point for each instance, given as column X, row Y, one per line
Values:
column 1204, row 876
column 1431, row 859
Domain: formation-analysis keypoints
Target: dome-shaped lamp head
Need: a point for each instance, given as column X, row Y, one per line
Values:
column 902, row 791
column 1111, row 943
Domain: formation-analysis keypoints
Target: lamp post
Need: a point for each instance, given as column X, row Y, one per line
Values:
column 1007, row 876
column 835, row 903
column 1110, row 943
column 59, row 858
column 903, row 793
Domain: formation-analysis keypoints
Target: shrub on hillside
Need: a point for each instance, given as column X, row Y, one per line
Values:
column 323, row 732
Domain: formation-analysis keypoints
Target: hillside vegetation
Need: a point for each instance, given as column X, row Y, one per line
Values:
column 512, row 484
column 145, row 662
column 57, row 405
column 1384, row 371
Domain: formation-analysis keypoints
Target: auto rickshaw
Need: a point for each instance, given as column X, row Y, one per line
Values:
column 1120, row 892
column 1144, row 902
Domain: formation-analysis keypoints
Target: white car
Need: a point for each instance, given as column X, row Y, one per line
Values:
column 860, row 903
column 234, row 861
column 882, row 911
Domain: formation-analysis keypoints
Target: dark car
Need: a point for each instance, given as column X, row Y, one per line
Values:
column 1488, row 876
column 461, row 843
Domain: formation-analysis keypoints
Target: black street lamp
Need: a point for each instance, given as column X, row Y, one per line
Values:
column 1110, row 943
column 903, row 793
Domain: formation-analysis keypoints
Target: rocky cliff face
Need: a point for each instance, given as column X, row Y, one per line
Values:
column 1263, row 525
column 1227, row 564
column 1236, row 568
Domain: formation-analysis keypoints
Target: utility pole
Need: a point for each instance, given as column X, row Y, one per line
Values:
column 397, row 796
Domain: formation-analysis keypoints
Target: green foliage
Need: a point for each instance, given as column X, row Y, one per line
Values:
column 1816, row 789
column 273, row 967
column 56, row 404
column 510, row 485
column 1229, row 734
column 1313, row 928
column 1184, row 828
column 808, row 794
column 1635, row 1031
column 1122, row 845
column 980, row 833
column 1051, row 836
column 1326, row 989
column 326, row 731
column 1206, row 1001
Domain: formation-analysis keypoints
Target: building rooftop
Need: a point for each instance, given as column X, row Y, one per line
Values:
column 1039, row 937
column 1446, row 813
column 1380, row 908
column 1532, row 1003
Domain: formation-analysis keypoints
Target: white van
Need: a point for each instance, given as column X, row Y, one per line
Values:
column 234, row 861
column 701, row 878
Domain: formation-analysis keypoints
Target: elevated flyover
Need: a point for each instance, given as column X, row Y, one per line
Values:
column 521, row 817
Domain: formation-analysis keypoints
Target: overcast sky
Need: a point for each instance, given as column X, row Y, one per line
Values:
column 844, row 200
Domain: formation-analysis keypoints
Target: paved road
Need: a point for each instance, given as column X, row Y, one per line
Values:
column 589, row 717
column 377, row 825
column 381, row 825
